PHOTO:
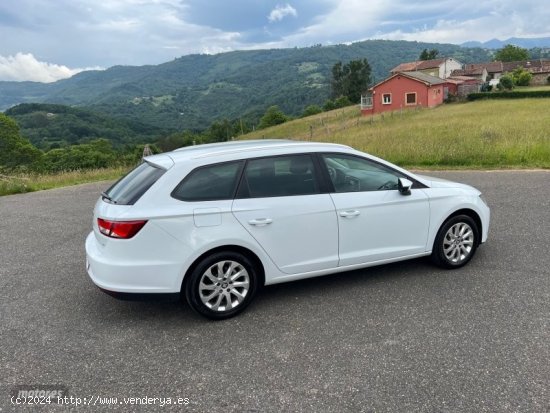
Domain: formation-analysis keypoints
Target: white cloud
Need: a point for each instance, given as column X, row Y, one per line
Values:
column 349, row 20
column 440, row 22
column 280, row 12
column 134, row 32
column 24, row 66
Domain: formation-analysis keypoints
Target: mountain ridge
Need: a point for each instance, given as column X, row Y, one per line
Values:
column 192, row 91
column 525, row 42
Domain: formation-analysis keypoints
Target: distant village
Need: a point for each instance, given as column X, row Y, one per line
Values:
column 429, row 83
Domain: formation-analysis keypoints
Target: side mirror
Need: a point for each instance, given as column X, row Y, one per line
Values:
column 404, row 186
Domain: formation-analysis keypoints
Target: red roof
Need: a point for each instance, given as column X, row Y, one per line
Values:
column 533, row 66
column 430, row 64
column 405, row 67
column 417, row 76
column 418, row 65
column 492, row 67
column 477, row 71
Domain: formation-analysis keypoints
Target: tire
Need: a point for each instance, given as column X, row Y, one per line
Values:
column 212, row 289
column 456, row 242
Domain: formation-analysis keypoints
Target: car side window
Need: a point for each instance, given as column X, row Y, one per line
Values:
column 279, row 176
column 209, row 183
column 355, row 174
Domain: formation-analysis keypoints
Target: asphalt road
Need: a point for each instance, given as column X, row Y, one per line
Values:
column 406, row 337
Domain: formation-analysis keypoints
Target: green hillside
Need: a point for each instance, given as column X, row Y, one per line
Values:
column 193, row 91
column 51, row 126
column 481, row 134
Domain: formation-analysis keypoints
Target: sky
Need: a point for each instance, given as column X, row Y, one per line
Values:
column 47, row 40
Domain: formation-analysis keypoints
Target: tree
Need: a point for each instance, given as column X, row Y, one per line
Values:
column 273, row 116
column 15, row 151
column 329, row 105
column 521, row 77
column 96, row 154
column 311, row 110
column 351, row 79
column 219, row 131
column 178, row 140
column 337, row 83
column 506, row 82
column 511, row 53
column 342, row 102
column 428, row 54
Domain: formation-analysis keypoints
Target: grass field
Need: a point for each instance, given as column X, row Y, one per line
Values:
column 21, row 183
column 481, row 134
column 489, row 134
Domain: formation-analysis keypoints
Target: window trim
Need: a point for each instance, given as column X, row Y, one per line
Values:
column 243, row 190
column 390, row 101
column 210, row 165
column 326, row 177
column 415, row 98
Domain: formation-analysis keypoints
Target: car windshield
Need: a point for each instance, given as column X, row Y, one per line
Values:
column 132, row 186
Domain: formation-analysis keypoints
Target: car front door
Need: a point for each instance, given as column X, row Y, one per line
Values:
column 281, row 205
column 376, row 222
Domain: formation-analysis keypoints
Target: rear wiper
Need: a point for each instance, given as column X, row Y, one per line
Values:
column 108, row 198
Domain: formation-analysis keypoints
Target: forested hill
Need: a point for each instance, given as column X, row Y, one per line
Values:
column 49, row 126
column 192, row 91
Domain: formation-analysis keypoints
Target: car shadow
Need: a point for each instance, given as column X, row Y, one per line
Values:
column 287, row 295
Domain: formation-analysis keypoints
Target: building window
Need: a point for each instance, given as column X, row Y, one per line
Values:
column 410, row 98
column 366, row 101
column 386, row 99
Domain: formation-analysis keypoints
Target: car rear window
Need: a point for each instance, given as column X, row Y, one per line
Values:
column 132, row 186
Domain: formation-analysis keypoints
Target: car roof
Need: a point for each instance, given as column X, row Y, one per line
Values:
column 244, row 148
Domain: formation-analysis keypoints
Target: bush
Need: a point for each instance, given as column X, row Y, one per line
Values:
column 329, row 105
column 311, row 110
column 273, row 116
column 507, row 82
column 510, row 95
column 94, row 155
column 486, row 87
column 342, row 102
column 521, row 77
column 548, row 80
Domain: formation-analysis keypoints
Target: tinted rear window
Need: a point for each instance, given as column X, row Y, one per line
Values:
column 209, row 183
column 132, row 186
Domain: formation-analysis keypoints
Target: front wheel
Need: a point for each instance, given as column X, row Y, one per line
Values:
column 222, row 285
column 456, row 242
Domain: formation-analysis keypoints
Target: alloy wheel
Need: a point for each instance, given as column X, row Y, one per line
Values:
column 458, row 242
column 224, row 285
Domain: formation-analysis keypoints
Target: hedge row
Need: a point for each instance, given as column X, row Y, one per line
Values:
column 510, row 95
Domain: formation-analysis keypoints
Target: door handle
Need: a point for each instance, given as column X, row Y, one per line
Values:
column 349, row 214
column 260, row 222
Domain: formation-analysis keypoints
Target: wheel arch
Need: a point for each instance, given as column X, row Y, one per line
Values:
column 470, row 213
column 228, row 248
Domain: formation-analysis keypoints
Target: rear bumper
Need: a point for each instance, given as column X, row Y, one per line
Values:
column 135, row 273
column 165, row 297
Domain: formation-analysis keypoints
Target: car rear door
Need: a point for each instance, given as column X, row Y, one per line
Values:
column 280, row 203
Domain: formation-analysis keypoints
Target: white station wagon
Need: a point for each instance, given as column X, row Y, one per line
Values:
column 217, row 222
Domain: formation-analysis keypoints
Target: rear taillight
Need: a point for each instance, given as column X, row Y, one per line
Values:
column 119, row 229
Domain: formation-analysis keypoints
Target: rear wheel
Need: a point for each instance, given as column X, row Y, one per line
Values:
column 222, row 285
column 456, row 242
